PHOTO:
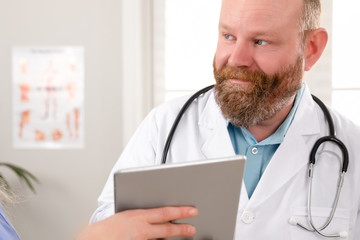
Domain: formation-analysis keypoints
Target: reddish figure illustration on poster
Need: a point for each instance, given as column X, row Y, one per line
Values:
column 48, row 97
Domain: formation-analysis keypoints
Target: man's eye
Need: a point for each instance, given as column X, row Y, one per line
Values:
column 261, row 42
column 229, row 37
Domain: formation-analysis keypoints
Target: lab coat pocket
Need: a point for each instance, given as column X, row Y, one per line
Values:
column 339, row 224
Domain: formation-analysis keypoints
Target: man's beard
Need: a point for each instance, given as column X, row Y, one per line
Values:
column 261, row 99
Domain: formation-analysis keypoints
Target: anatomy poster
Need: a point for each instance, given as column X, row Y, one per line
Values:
column 48, row 97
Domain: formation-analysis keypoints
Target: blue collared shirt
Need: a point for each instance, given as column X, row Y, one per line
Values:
column 259, row 154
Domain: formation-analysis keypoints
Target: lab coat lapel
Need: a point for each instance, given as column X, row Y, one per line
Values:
column 293, row 154
column 213, row 132
column 217, row 142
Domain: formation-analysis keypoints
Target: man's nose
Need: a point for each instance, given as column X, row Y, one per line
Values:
column 241, row 55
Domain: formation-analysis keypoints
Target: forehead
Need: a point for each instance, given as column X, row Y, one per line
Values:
column 261, row 13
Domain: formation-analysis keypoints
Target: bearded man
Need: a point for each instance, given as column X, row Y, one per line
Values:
column 260, row 107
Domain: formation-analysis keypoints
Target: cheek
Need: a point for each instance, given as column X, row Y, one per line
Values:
column 268, row 65
column 222, row 56
column 272, row 62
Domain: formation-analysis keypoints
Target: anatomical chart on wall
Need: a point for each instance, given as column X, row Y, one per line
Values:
column 48, row 97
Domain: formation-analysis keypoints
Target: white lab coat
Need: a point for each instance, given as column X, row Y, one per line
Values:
column 282, row 190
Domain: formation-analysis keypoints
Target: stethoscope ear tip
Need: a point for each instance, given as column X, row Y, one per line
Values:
column 293, row 221
column 343, row 234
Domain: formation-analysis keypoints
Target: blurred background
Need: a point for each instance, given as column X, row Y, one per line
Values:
column 137, row 54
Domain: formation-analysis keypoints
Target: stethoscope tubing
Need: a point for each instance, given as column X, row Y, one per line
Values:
column 177, row 120
column 330, row 138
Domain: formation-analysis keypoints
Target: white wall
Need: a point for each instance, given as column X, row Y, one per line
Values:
column 71, row 180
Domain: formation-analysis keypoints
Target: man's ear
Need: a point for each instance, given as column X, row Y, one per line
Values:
column 315, row 44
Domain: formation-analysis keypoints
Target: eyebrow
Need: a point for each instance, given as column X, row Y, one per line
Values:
column 257, row 33
column 225, row 26
column 265, row 34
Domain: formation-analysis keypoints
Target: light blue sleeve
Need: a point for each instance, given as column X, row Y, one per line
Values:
column 7, row 231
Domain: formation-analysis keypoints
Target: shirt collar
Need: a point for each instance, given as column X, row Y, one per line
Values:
column 278, row 136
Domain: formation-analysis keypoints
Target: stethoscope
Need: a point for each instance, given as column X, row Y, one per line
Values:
column 330, row 138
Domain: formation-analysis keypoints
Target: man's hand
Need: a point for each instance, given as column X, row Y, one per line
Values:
column 142, row 225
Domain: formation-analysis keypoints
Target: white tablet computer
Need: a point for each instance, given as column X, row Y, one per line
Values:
column 213, row 186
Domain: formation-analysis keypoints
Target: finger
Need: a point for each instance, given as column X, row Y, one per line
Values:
column 166, row 214
column 166, row 230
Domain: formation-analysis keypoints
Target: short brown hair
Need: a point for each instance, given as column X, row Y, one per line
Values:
column 310, row 16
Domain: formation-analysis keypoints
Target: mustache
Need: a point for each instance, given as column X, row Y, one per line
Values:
column 256, row 77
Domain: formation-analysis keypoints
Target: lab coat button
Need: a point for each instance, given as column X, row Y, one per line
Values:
column 254, row 150
column 247, row 217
